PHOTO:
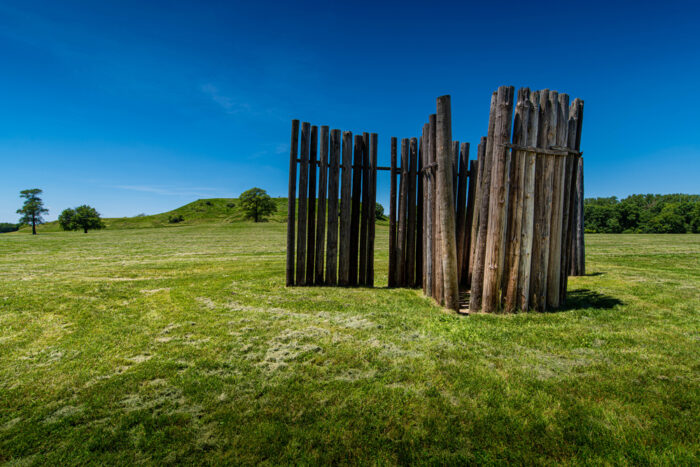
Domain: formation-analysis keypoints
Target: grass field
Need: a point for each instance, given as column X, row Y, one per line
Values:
column 182, row 345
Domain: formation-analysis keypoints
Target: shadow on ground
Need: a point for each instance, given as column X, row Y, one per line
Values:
column 586, row 298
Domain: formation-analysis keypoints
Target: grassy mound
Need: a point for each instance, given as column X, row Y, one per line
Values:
column 202, row 211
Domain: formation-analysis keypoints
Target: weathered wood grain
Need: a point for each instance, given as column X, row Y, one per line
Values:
column 291, row 202
column 321, row 212
column 303, row 204
column 333, row 184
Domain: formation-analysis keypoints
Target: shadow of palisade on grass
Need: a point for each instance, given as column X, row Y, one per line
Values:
column 586, row 298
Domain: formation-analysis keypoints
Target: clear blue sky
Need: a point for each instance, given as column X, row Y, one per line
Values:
column 144, row 106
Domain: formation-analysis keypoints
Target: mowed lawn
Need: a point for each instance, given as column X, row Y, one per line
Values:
column 182, row 345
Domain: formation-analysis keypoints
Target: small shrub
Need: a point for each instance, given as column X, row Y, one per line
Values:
column 208, row 203
column 176, row 219
column 230, row 205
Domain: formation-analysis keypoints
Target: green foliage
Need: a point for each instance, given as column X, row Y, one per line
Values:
column 676, row 213
column 257, row 204
column 8, row 227
column 33, row 208
column 81, row 218
column 176, row 218
column 379, row 211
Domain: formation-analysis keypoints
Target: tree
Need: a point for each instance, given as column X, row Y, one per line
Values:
column 32, row 209
column 379, row 211
column 81, row 218
column 256, row 204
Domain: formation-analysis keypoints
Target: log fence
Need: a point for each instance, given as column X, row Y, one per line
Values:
column 506, row 227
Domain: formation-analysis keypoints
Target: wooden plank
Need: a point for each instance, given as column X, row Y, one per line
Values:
column 496, row 235
column 477, row 287
column 311, row 215
column 410, row 270
column 428, row 213
column 392, row 218
column 291, row 202
column 446, row 201
column 321, row 213
column 303, row 200
column 333, row 184
column 364, row 211
column 403, row 195
column 418, row 282
column 355, row 212
column 517, row 201
column 527, row 235
column 471, row 198
column 344, row 230
column 461, row 225
column 373, row 202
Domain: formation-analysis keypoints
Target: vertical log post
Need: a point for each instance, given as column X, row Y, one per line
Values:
column 364, row 215
column 345, row 192
column 438, row 285
column 311, row 215
column 355, row 212
column 373, row 202
column 527, row 235
column 321, row 214
column 520, row 127
column 477, row 287
column 403, row 195
column 291, row 202
column 497, row 223
column 447, row 208
column 418, row 282
column 303, row 199
column 428, row 210
column 392, row 217
column 477, row 181
column 461, row 180
column 411, row 208
column 333, row 183
column 471, row 195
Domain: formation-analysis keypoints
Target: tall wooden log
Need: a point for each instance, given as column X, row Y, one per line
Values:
column 411, row 208
column 558, row 182
column 438, row 285
column 496, row 236
column 418, row 282
column 333, row 184
column 543, row 202
column 364, row 214
column 321, row 213
column 373, row 202
column 446, row 202
column 428, row 214
column 355, row 209
column 345, row 193
column 392, row 217
column 303, row 206
column 578, row 262
column 527, row 236
column 455, row 175
column 471, row 198
column 311, row 217
column 291, row 202
column 476, row 181
column 517, row 200
column 403, row 195
column 477, row 287
column 461, row 184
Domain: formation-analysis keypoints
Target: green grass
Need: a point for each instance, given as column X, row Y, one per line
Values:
column 202, row 211
column 182, row 345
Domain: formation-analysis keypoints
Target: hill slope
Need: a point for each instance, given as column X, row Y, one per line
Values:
column 202, row 211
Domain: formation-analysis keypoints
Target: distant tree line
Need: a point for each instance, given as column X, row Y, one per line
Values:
column 676, row 213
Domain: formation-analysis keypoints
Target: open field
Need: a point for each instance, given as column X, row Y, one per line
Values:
column 183, row 345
